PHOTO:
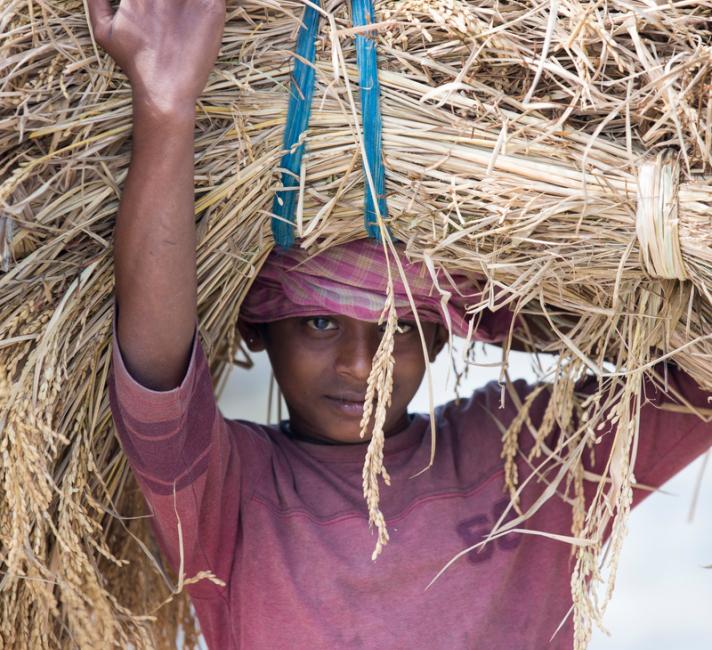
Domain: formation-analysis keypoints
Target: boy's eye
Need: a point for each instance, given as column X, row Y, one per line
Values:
column 321, row 323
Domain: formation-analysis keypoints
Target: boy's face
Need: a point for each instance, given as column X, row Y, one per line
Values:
column 322, row 363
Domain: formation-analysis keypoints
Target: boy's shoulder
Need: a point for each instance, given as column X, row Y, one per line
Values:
column 475, row 425
column 497, row 401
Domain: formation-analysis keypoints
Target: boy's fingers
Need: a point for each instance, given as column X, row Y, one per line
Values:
column 100, row 17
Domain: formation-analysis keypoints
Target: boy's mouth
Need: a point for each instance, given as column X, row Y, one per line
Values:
column 347, row 404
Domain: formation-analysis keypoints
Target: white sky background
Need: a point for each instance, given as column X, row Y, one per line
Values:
column 663, row 595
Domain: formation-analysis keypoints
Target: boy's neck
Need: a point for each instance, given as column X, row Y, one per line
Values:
column 286, row 428
column 295, row 435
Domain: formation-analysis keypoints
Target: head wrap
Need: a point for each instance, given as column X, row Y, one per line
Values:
column 351, row 280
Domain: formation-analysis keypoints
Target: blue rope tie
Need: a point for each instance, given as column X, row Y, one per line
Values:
column 300, row 100
column 371, row 114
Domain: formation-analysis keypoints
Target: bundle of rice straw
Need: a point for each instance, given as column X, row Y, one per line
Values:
column 521, row 141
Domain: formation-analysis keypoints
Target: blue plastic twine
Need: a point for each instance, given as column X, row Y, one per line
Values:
column 371, row 111
column 300, row 99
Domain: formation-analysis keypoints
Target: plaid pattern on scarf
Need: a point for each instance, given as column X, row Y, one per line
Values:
column 351, row 280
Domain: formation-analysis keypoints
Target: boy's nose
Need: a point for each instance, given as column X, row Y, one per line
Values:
column 356, row 353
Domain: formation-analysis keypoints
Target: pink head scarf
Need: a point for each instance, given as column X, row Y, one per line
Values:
column 351, row 280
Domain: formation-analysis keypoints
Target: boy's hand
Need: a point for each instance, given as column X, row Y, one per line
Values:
column 166, row 48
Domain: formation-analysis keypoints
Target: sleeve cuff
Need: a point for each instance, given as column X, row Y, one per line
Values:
column 154, row 405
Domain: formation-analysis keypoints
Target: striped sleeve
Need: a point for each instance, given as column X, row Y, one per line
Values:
column 188, row 460
column 671, row 436
column 669, row 439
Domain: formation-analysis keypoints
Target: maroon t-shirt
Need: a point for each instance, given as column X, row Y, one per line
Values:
column 283, row 521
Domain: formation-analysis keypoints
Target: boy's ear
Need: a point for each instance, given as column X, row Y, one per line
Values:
column 252, row 335
column 439, row 341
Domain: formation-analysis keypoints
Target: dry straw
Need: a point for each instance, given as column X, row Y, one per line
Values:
column 559, row 149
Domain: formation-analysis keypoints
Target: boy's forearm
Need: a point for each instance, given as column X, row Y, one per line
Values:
column 154, row 250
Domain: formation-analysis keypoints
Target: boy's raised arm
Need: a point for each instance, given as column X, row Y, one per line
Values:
column 167, row 49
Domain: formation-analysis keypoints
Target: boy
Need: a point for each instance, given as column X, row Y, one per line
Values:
column 276, row 513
